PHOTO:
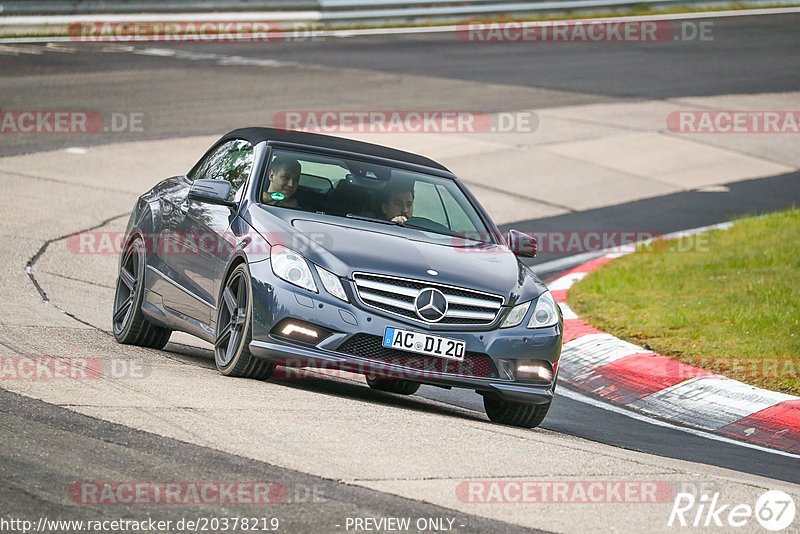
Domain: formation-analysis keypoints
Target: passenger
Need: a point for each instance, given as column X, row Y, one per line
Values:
column 284, row 177
column 397, row 202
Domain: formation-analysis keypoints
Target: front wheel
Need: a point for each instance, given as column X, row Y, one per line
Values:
column 515, row 413
column 129, row 324
column 234, row 318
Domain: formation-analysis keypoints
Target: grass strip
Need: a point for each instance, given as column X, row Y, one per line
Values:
column 727, row 300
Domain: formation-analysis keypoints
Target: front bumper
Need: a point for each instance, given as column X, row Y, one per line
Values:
column 276, row 300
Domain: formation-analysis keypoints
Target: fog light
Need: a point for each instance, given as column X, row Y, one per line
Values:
column 535, row 369
column 297, row 331
column 292, row 328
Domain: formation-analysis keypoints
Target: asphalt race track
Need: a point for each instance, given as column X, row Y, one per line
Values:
column 188, row 91
column 184, row 90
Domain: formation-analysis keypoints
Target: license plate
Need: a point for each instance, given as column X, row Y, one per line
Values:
column 419, row 343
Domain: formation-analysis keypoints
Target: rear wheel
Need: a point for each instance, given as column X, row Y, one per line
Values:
column 234, row 318
column 515, row 413
column 393, row 385
column 129, row 324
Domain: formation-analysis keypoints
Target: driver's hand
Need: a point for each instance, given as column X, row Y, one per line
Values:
column 399, row 219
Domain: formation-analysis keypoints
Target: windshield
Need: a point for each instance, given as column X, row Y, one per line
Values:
column 366, row 192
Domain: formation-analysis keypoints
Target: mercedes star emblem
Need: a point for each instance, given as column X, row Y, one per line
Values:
column 431, row 305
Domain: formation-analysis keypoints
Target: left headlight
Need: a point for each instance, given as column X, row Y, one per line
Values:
column 291, row 266
column 545, row 313
column 331, row 283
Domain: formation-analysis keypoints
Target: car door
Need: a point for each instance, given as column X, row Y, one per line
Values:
column 202, row 244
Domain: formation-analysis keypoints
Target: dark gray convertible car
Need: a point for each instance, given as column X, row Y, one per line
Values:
column 288, row 250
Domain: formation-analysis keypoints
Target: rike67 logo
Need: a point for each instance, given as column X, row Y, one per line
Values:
column 774, row 510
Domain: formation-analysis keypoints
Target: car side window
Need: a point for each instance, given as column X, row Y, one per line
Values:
column 457, row 218
column 428, row 203
column 231, row 161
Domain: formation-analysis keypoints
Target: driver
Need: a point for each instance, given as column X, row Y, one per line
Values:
column 284, row 177
column 397, row 202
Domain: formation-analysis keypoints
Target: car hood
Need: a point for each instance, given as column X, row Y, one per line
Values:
column 344, row 247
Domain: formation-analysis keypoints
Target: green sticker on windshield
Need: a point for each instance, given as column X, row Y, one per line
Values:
column 277, row 196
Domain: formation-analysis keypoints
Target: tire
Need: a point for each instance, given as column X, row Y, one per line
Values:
column 393, row 385
column 129, row 325
column 515, row 413
column 234, row 329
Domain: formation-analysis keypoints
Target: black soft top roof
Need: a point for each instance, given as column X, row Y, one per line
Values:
column 257, row 135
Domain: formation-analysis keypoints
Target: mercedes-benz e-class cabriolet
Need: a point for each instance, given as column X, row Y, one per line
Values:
column 294, row 249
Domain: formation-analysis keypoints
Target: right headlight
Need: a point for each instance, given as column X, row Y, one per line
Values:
column 545, row 313
column 292, row 267
column 331, row 283
column 516, row 315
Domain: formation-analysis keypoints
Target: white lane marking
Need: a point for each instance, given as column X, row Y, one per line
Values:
column 709, row 402
column 75, row 150
column 714, row 189
column 304, row 17
column 580, row 357
column 574, row 395
column 565, row 263
column 159, row 52
column 20, row 49
column 231, row 16
column 700, row 230
column 221, row 59
column 567, row 312
column 257, row 62
column 629, row 18
column 565, row 282
column 60, row 47
column 191, row 56
column 117, row 48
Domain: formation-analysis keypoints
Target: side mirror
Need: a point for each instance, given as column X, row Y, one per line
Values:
column 211, row 192
column 522, row 245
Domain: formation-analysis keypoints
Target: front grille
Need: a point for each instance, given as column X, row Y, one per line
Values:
column 396, row 296
column 474, row 364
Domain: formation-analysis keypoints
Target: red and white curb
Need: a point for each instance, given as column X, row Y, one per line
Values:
column 625, row 374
